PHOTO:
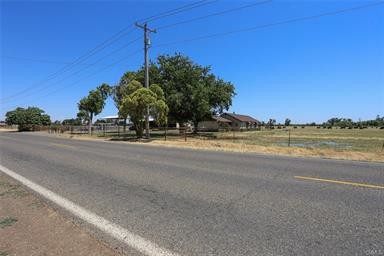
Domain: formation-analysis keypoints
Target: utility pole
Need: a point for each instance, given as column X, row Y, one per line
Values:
column 146, row 73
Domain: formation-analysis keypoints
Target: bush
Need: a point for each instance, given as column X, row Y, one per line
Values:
column 29, row 119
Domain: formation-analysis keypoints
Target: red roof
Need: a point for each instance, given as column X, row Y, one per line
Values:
column 242, row 118
column 221, row 119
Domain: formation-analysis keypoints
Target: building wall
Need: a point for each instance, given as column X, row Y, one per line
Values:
column 235, row 123
column 208, row 125
column 238, row 124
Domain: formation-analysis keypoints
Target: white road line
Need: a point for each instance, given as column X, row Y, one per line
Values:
column 135, row 241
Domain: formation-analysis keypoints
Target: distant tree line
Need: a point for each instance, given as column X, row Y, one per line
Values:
column 332, row 122
column 349, row 123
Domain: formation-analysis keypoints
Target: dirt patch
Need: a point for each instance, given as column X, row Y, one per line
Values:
column 7, row 130
column 29, row 227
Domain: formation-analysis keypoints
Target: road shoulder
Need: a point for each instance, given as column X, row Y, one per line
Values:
column 28, row 226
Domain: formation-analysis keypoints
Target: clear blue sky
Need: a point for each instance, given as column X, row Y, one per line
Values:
column 308, row 71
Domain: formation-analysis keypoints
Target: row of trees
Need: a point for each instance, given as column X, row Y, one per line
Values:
column 180, row 91
column 335, row 122
column 347, row 122
column 27, row 119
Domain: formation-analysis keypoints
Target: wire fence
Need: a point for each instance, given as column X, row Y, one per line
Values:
column 370, row 139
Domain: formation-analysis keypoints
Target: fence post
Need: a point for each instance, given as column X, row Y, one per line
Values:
column 289, row 138
column 185, row 134
column 118, row 131
column 165, row 133
column 233, row 134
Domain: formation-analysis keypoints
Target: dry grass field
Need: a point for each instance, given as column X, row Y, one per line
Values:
column 350, row 144
column 353, row 144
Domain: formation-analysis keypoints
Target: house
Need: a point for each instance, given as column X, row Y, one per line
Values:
column 113, row 119
column 214, row 124
column 241, row 121
column 120, row 121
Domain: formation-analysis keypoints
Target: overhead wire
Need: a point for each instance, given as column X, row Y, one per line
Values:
column 42, row 60
column 109, row 41
column 178, row 10
column 214, row 14
column 87, row 76
column 263, row 26
column 81, row 70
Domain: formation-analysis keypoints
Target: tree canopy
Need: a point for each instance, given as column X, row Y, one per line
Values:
column 191, row 91
column 136, row 100
column 93, row 104
column 27, row 119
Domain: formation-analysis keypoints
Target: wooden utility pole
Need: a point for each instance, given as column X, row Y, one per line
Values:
column 146, row 73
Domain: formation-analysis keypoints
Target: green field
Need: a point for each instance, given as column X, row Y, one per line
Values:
column 356, row 140
column 361, row 140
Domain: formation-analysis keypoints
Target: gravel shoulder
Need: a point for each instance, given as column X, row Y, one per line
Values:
column 30, row 227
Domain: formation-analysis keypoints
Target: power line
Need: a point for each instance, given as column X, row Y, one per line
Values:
column 115, row 37
column 97, row 72
column 177, row 11
column 43, row 60
column 64, row 69
column 215, row 14
column 88, row 76
column 81, row 70
column 332, row 13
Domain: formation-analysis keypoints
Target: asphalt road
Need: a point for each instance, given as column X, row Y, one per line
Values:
column 211, row 203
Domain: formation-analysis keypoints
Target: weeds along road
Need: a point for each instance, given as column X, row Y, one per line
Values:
column 191, row 202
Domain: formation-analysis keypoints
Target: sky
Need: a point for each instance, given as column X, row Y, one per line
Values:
column 309, row 70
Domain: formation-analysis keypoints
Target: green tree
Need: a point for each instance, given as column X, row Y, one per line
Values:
column 271, row 122
column 92, row 105
column 287, row 122
column 105, row 90
column 121, row 90
column 27, row 119
column 191, row 91
column 82, row 116
column 135, row 103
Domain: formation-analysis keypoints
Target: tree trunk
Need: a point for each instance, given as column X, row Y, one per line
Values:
column 90, row 123
column 195, row 124
column 139, row 129
column 125, row 125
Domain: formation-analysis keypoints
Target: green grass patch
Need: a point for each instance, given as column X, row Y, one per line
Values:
column 8, row 221
column 15, row 191
column 3, row 253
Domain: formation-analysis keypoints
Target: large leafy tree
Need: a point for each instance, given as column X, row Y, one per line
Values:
column 93, row 104
column 27, row 119
column 191, row 91
column 136, row 100
column 121, row 90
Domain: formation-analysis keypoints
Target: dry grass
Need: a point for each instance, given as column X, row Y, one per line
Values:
column 363, row 145
column 275, row 150
column 7, row 130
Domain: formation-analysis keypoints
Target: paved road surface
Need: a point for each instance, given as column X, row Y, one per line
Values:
column 211, row 203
